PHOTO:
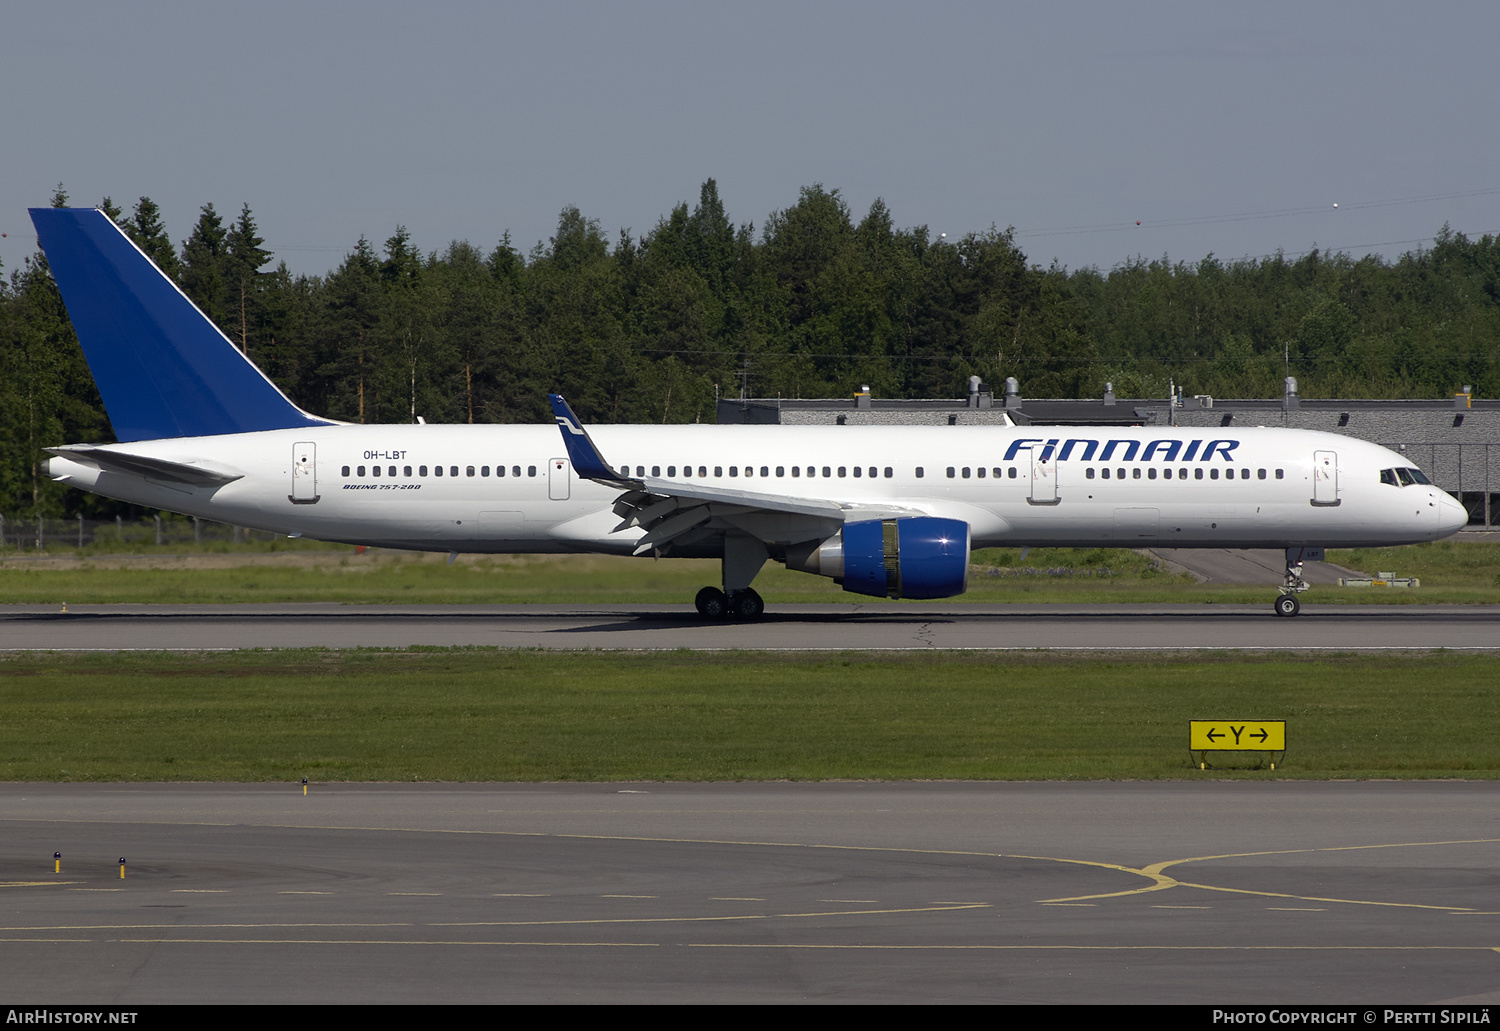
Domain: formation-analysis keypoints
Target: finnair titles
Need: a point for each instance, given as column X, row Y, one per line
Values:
column 885, row 511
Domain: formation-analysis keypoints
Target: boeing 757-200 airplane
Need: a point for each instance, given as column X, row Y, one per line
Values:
column 885, row 511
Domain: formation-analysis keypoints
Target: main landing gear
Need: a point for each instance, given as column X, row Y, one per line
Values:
column 1291, row 585
column 713, row 603
column 743, row 557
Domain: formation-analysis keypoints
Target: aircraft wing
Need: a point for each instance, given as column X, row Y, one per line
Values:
column 672, row 511
column 195, row 473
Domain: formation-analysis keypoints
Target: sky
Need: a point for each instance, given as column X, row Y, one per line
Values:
column 1102, row 132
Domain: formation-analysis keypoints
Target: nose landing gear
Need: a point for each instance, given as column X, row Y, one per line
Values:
column 1292, row 584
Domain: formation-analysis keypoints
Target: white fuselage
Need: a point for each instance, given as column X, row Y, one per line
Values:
column 1146, row 487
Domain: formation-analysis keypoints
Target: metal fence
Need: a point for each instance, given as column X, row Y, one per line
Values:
column 28, row 533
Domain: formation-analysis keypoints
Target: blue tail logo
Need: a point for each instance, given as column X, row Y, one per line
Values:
column 163, row 369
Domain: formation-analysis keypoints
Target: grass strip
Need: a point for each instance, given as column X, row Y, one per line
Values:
column 485, row 715
column 1451, row 572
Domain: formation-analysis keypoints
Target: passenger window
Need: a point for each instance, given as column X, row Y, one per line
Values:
column 734, row 470
column 453, row 470
column 1280, row 473
column 1135, row 474
column 656, row 470
column 889, row 472
column 346, row 470
column 919, row 472
column 499, row 470
column 857, row 472
column 1151, row 475
column 437, row 470
column 515, row 470
column 1011, row 472
column 406, row 471
column 765, row 470
column 374, row 470
column 671, row 471
column 1197, row 474
column 703, row 470
column 1260, row 474
column 1244, row 474
column 951, row 472
column 530, row 470
column 421, row 470
column 874, row 472
column 966, row 472
column 1120, row 473
column 361, row 470
column 979, row 472
column 1104, row 472
column 812, row 470
column 1182, row 474
column 795, row 471
column 1166, row 474
column 469, row 470
column 826, row 471
column 484, row 470
column 1088, row 474
column 780, row 471
column 1213, row 474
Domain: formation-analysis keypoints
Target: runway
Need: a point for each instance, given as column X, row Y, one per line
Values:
column 1223, row 893
column 875, row 626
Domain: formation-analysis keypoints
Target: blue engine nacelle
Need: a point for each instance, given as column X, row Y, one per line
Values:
column 919, row 557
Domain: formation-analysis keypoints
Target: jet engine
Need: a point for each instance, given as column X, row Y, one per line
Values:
column 915, row 557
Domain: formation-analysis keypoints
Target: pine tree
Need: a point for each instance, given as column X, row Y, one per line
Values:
column 203, row 264
column 243, row 258
column 150, row 235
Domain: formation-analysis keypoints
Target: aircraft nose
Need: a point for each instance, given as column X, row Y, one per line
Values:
column 1451, row 515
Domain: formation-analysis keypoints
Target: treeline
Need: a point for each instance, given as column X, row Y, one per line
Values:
column 813, row 303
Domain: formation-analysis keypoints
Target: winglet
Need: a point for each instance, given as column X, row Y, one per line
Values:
column 587, row 461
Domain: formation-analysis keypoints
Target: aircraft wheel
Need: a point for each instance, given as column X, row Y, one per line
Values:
column 1287, row 605
column 711, row 603
column 747, row 605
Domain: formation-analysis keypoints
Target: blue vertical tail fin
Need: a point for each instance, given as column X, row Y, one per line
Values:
column 163, row 369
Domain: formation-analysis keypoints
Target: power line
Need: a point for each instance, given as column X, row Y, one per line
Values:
column 1248, row 216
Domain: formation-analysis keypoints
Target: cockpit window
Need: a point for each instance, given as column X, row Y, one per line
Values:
column 1403, row 477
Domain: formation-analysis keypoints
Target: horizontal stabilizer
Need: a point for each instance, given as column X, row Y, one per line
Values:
column 194, row 474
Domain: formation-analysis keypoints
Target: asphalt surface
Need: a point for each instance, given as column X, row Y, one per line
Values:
column 867, row 627
column 1217, row 893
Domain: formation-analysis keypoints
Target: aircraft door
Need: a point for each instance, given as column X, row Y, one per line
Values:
column 1325, row 478
column 304, row 474
column 1043, row 480
column 558, row 471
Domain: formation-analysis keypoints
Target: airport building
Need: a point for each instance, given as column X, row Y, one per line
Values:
column 1455, row 441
